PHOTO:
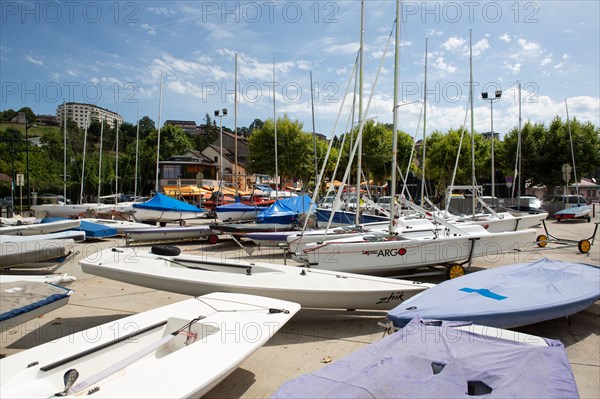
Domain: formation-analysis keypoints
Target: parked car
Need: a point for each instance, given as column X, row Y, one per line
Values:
column 572, row 200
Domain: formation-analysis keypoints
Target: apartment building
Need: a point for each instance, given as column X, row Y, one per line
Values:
column 81, row 113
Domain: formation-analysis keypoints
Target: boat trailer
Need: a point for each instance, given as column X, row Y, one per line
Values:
column 584, row 245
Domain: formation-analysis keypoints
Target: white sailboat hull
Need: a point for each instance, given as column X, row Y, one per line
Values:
column 29, row 253
column 231, row 328
column 508, row 222
column 67, row 211
column 379, row 257
column 141, row 215
column 40, row 228
column 198, row 275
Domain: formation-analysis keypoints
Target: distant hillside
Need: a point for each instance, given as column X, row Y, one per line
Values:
column 33, row 131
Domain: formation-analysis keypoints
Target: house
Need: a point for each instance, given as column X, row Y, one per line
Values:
column 195, row 168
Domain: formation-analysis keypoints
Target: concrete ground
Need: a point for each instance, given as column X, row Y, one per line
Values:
column 312, row 337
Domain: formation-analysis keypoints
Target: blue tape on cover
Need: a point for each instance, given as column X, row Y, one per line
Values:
column 484, row 292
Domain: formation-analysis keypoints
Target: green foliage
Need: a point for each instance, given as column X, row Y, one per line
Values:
column 295, row 149
column 545, row 149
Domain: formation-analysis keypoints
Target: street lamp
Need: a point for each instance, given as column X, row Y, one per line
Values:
column 485, row 96
column 27, row 125
column 220, row 114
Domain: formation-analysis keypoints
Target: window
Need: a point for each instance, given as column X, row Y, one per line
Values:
column 171, row 171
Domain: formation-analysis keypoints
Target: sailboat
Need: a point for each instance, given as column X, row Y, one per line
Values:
column 579, row 211
column 444, row 243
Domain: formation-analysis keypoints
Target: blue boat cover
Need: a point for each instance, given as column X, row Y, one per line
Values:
column 161, row 202
column 580, row 210
column 436, row 360
column 95, row 230
column 285, row 210
column 507, row 296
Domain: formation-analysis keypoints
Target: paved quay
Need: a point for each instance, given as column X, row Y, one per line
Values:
column 313, row 337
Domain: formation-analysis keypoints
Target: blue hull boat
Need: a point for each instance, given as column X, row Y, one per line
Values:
column 507, row 296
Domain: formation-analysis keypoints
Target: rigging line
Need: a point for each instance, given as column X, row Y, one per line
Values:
column 462, row 134
column 363, row 121
column 238, row 303
column 323, row 167
column 572, row 152
column 412, row 151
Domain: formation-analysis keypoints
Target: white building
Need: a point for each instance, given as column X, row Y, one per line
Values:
column 81, row 113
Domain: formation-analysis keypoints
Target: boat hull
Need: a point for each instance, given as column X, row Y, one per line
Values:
column 231, row 328
column 197, row 275
column 502, row 297
column 382, row 257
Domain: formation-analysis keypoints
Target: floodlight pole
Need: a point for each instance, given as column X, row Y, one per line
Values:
column 485, row 96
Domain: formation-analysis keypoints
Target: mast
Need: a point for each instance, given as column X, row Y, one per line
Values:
column 158, row 140
column 395, row 116
column 117, row 162
column 312, row 105
column 472, row 122
column 235, row 131
column 65, row 151
column 137, row 146
column 360, row 109
column 100, row 160
column 572, row 155
column 517, row 171
column 424, row 126
column 84, row 153
column 275, row 128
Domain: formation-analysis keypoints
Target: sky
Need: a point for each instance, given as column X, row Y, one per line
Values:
column 113, row 54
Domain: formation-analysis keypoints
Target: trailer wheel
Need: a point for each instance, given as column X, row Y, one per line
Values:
column 584, row 246
column 454, row 271
column 589, row 219
column 182, row 223
column 541, row 240
column 213, row 239
column 166, row 250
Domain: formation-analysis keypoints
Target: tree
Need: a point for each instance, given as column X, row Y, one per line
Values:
column 31, row 118
column 545, row 149
column 294, row 149
column 146, row 126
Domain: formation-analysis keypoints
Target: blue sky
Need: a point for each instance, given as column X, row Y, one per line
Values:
column 113, row 54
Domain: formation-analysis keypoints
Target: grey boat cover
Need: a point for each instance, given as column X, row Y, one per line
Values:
column 507, row 296
column 433, row 359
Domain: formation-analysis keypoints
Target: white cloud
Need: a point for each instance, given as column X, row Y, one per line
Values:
column 528, row 46
column 331, row 46
column 461, row 46
column 71, row 72
column 454, row 43
column 546, row 61
column 443, row 66
column 505, row 37
column 167, row 12
column 566, row 56
column 149, row 29
column 514, row 68
column 29, row 58
column 480, row 46
column 433, row 32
